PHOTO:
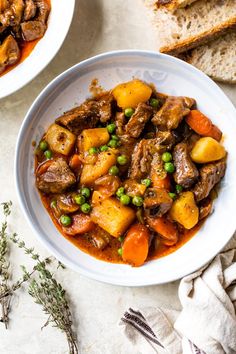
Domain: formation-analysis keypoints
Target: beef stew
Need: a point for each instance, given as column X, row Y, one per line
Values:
column 128, row 175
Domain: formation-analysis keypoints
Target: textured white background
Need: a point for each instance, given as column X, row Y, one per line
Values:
column 98, row 26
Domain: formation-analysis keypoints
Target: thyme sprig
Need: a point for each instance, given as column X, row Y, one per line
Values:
column 4, row 267
column 44, row 288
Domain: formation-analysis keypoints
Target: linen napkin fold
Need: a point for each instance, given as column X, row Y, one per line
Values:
column 207, row 322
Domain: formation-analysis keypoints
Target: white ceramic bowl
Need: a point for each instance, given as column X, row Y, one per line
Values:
column 58, row 25
column 170, row 76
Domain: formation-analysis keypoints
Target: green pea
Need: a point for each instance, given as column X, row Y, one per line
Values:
column 120, row 192
column 65, row 220
column 104, row 148
column 93, row 151
column 111, row 128
column 48, row 154
column 85, row 208
column 166, row 157
column 112, row 143
column 120, row 251
column 122, row 160
column 178, row 188
column 115, row 137
column 79, row 199
column 85, row 192
column 121, row 239
column 169, row 167
column 146, row 182
column 125, row 199
column 43, row 145
column 137, row 201
column 129, row 112
column 53, row 204
column 172, row 195
column 154, row 103
column 114, row 171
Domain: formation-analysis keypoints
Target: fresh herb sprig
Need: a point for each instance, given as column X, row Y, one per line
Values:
column 48, row 293
column 44, row 288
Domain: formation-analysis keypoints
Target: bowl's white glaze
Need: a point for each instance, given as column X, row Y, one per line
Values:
column 170, row 76
column 58, row 25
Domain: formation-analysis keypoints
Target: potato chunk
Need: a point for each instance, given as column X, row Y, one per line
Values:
column 207, row 150
column 92, row 172
column 112, row 216
column 185, row 211
column 60, row 139
column 131, row 93
column 93, row 138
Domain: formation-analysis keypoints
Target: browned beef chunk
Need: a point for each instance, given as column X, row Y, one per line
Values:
column 172, row 112
column 99, row 238
column 120, row 121
column 83, row 117
column 210, row 175
column 186, row 173
column 35, row 29
column 147, row 153
column 32, row 30
column 141, row 160
column 56, row 178
column 138, row 120
column 9, row 52
column 105, row 104
column 12, row 12
column 30, row 10
column 157, row 202
column 205, row 208
column 44, row 10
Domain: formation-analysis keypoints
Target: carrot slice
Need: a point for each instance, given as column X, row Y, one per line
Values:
column 81, row 224
column 75, row 162
column 163, row 183
column 203, row 125
column 165, row 229
column 136, row 245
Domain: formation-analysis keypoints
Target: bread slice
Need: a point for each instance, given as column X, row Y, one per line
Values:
column 171, row 5
column 217, row 58
column 192, row 26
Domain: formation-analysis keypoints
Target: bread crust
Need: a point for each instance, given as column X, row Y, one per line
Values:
column 173, row 5
column 194, row 41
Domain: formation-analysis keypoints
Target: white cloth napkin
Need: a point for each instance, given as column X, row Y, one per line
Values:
column 207, row 322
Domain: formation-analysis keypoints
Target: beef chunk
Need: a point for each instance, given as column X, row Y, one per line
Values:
column 138, row 120
column 12, row 12
column 205, row 208
column 9, row 52
column 99, row 238
column 210, row 175
column 83, row 117
column 30, row 10
column 172, row 112
column 157, row 202
column 186, row 173
column 147, row 153
column 56, row 178
column 141, row 160
column 35, row 29
column 120, row 121
column 32, row 30
column 105, row 104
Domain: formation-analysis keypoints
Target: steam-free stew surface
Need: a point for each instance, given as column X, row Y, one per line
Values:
column 130, row 174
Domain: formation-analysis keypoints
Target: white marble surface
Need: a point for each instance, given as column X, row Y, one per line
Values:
column 98, row 26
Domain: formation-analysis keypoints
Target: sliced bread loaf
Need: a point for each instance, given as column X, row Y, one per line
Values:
column 172, row 5
column 217, row 58
column 192, row 26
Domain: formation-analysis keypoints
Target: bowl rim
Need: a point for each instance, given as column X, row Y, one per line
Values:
column 45, row 63
column 39, row 100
